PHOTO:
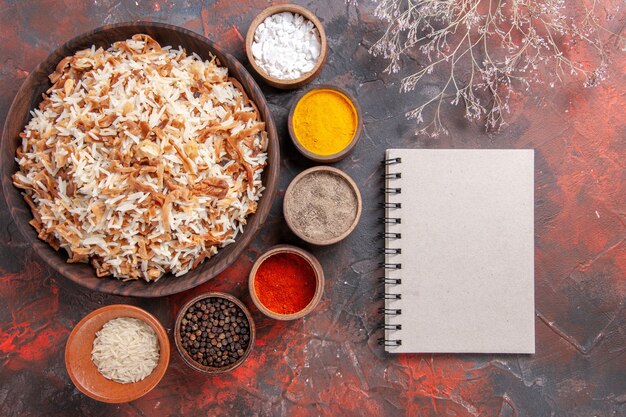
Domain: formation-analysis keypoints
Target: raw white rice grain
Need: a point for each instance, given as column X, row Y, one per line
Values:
column 125, row 350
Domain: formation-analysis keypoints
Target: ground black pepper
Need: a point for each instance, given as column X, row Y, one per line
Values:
column 321, row 206
column 215, row 332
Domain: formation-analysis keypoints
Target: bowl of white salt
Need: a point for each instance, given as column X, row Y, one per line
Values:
column 286, row 46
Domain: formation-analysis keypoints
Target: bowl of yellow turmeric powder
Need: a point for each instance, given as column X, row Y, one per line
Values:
column 325, row 123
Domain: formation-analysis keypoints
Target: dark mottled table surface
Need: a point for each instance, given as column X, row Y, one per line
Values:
column 329, row 363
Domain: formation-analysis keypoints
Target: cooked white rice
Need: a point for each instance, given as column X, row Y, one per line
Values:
column 141, row 159
column 125, row 350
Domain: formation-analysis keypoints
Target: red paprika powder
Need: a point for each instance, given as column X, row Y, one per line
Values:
column 285, row 283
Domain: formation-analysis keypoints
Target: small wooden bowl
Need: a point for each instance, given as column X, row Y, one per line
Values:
column 319, row 277
column 305, row 78
column 289, row 195
column 179, row 343
column 327, row 159
column 83, row 371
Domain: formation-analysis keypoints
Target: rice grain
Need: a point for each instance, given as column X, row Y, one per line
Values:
column 141, row 159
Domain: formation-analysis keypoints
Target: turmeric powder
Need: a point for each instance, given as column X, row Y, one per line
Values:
column 324, row 121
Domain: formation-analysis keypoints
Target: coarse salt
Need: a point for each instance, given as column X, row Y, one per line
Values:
column 286, row 45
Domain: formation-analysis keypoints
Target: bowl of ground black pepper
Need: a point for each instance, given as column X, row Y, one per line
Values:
column 214, row 333
column 322, row 205
column 286, row 282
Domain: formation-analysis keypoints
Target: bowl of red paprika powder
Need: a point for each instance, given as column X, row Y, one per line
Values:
column 286, row 283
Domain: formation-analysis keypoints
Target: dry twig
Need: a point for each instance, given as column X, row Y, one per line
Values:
column 490, row 48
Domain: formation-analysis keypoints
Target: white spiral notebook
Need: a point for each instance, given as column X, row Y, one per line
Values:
column 459, row 251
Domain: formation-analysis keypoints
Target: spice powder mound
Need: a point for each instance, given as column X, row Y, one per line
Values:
column 285, row 283
column 325, row 121
column 322, row 206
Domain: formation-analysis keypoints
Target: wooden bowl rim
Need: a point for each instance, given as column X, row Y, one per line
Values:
column 303, row 79
column 123, row 310
column 179, row 344
column 352, row 184
column 319, row 284
column 43, row 250
column 336, row 157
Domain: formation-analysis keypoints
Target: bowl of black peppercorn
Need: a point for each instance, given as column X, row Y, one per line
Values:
column 214, row 333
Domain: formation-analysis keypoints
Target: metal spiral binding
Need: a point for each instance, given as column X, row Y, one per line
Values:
column 390, row 251
column 389, row 265
column 393, row 176
column 390, row 281
column 390, row 296
column 390, row 205
column 391, row 161
column 389, row 220
column 390, row 311
column 389, row 342
column 386, row 326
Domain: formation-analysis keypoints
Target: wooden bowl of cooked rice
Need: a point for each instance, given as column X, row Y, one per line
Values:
column 154, row 214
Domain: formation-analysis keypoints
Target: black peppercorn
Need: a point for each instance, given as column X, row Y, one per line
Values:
column 215, row 332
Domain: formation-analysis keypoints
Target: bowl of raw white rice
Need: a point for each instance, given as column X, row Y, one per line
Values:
column 117, row 353
column 139, row 159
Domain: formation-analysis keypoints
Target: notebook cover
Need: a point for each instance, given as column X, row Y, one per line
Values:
column 467, row 251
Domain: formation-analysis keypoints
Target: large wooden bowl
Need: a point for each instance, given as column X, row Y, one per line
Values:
column 29, row 96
